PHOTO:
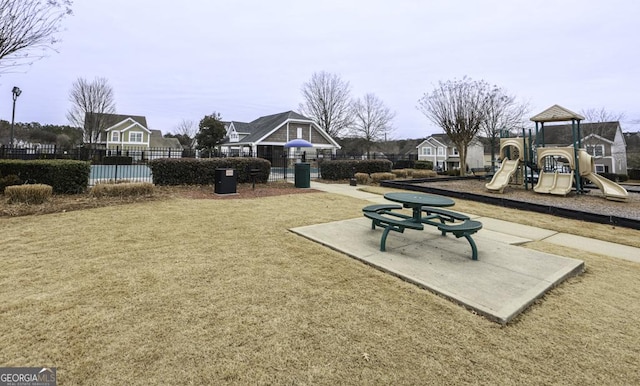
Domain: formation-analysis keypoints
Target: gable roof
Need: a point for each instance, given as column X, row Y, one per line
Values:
column 265, row 125
column 112, row 119
column 241, row 127
column 562, row 134
column 556, row 113
column 258, row 129
column 131, row 123
column 444, row 139
column 157, row 140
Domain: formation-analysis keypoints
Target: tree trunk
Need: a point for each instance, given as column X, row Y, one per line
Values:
column 463, row 160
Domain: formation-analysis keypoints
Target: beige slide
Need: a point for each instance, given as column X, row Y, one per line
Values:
column 610, row 189
column 501, row 179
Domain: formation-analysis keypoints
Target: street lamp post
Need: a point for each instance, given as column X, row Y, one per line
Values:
column 16, row 93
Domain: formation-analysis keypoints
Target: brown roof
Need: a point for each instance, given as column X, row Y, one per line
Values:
column 556, row 113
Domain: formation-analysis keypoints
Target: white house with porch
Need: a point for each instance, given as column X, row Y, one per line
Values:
column 266, row 136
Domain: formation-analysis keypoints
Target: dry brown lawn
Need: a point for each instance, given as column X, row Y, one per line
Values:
column 202, row 291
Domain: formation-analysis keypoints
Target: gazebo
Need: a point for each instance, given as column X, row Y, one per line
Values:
column 557, row 113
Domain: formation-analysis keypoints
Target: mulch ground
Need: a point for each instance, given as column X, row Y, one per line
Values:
column 66, row 203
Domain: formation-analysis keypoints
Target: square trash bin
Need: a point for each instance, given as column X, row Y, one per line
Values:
column 225, row 181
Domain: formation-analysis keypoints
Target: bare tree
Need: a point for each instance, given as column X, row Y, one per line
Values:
column 28, row 28
column 502, row 112
column 92, row 104
column 601, row 115
column 327, row 102
column 458, row 107
column 186, row 132
column 371, row 120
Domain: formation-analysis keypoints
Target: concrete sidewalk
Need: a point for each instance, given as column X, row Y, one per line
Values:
column 521, row 233
column 504, row 281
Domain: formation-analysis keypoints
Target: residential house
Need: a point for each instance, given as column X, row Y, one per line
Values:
column 444, row 155
column 603, row 140
column 266, row 136
column 130, row 135
column 633, row 149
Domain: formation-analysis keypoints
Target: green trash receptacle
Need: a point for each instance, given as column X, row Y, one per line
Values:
column 302, row 175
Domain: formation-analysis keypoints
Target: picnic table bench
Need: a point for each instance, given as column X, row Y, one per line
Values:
column 387, row 217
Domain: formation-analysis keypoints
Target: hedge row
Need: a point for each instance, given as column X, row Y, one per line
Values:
column 634, row 174
column 64, row 176
column 343, row 169
column 192, row 171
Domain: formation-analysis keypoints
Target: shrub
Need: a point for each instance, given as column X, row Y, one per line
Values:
column 400, row 173
column 127, row 189
column 453, row 172
column 9, row 180
column 28, row 194
column 424, row 174
column 421, row 164
column 362, row 178
column 634, row 174
column 377, row 177
column 191, row 171
column 64, row 176
column 343, row 169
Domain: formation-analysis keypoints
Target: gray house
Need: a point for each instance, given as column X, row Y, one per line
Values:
column 439, row 149
column 603, row 140
column 266, row 136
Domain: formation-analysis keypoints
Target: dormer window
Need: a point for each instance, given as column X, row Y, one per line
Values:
column 233, row 136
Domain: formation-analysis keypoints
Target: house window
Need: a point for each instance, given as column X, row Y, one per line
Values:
column 595, row 150
column 599, row 168
column 299, row 132
column 115, row 136
column 455, row 151
column 440, row 151
column 426, row 151
column 135, row 136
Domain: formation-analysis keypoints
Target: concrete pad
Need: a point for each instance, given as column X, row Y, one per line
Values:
column 503, row 282
column 500, row 237
column 509, row 228
column 596, row 246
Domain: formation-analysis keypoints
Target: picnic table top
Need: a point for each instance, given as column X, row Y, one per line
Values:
column 419, row 199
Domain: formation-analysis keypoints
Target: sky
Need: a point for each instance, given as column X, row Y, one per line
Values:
column 249, row 58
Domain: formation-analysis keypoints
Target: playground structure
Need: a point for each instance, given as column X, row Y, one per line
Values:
column 557, row 170
column 560, row 168
column 560, row 181
column 512, row 154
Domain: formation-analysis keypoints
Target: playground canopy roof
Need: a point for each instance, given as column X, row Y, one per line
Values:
column 557, row 113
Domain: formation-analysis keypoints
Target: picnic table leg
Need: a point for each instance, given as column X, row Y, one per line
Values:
column 383, row 240
column 474, row 249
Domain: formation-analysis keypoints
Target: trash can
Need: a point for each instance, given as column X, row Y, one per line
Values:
column 225, row 181
column 302, row 172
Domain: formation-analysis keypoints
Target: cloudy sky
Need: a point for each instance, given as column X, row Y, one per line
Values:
column 249, row 58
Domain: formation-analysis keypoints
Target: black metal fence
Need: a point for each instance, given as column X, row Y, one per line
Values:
column 136, row 169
